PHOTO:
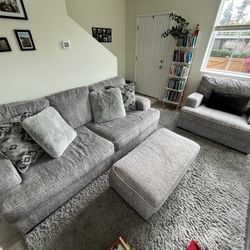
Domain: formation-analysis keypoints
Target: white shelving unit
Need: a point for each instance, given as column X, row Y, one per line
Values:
column 179, row 71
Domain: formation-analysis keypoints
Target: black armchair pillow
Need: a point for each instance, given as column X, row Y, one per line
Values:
column 229, row 103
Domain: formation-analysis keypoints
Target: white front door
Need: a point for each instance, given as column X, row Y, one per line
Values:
column 151, row 54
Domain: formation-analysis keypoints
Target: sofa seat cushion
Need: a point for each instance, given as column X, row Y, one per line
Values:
column 122, row 131
column 229, row 121
column 50, row 176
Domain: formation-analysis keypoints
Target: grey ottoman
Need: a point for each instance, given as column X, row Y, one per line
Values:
column 146, row 176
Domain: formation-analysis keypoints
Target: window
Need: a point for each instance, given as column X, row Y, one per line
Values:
column 229, row 47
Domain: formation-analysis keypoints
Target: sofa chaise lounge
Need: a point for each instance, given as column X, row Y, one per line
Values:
column 219, row 126
column 25, row 200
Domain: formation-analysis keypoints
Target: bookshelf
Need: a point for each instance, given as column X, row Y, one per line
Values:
column 179, row 70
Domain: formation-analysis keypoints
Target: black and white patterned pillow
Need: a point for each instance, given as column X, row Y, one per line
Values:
column 16, row 145
column 128, row 96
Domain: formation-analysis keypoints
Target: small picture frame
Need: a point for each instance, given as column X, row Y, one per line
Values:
column 102, row 35
column 13, row 9
column 4, row 45
column 25, row 40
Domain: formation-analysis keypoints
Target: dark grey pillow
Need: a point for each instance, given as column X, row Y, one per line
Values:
column 107, row 105
column 16, row 145
column 230, row 103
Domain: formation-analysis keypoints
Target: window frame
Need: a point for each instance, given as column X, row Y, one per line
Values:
column 216, row 28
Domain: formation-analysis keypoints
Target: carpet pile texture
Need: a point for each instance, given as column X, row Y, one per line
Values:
column 209, row 205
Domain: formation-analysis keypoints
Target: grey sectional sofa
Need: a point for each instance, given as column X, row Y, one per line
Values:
column 26, row 200
column 225, row 128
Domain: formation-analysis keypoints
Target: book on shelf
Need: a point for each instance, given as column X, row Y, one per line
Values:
column 176, row 84
column 172, row 96
column 179, row 70
column 182, row 56
column 187, row 41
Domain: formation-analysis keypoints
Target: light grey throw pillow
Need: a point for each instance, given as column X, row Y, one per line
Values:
column 50, row 131
column 107, row 105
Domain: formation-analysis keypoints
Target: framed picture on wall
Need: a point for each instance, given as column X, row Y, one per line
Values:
column 102, row 35
column 25, row 40
column 4, row 45
column 12, row 9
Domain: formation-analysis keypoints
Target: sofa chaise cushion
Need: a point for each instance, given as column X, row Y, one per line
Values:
column 232, row 130
column 50, row 176
column 122, row 131
column 73, row 105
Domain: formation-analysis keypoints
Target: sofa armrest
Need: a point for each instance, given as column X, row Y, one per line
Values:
column 9, row 177
column 194, row 100
column 142, row 103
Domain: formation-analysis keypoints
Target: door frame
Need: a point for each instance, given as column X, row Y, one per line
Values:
column 162, row 13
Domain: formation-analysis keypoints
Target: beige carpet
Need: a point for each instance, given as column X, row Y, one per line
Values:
column 209, row 205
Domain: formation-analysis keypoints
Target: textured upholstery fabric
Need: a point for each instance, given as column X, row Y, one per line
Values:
column 17, row 145
column 107, row 105
column 8, row 111
column 223, row 85
column 146, row 176
column 9, row 177
column 222, row 127
column 121, row 131
column 194, row 100
column 38, row 214
column 142, row 103
column 234, row 104
column 73, row 105
column 45, row 179
column 114, row 82
column 50, row 131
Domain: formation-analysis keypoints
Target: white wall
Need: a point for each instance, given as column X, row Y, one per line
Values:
column 27, row 75
column 106, row 14
column 194, row 11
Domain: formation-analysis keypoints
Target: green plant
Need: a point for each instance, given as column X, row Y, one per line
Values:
column 181, row 28
column 220, row 53
column 228, row 53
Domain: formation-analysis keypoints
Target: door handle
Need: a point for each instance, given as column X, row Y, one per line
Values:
column 160, row 67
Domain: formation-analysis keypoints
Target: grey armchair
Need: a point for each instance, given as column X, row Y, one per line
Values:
column 222, row 127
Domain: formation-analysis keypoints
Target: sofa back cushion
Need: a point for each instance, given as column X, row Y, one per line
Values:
column 11, row 110
column 209, row 84
column 111, row 82
column 73, row 105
